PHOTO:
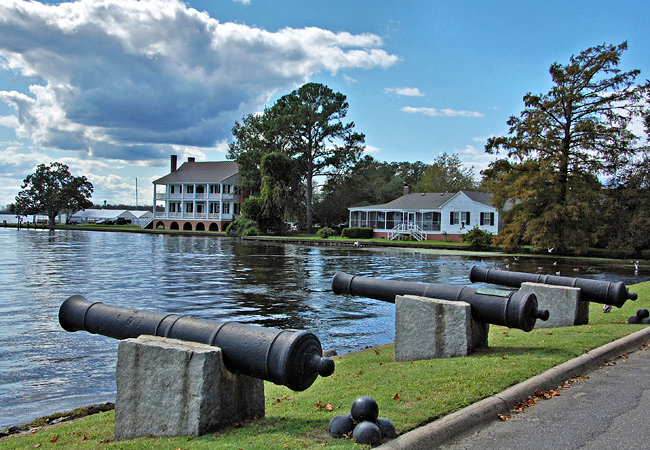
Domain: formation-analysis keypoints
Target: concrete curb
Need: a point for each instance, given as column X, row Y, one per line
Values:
column 487, row 410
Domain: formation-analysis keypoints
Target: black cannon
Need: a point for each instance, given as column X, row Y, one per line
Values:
column 510, row 309
column 598, row 291
column 291, row 358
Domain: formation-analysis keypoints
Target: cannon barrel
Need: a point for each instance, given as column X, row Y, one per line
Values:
column 599, row 291
column 290, row 358
column 510, row 309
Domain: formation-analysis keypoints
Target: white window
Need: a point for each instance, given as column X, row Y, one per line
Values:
column 464, row 218
column 454, row 217
column 215, row 188
column 189, row 207
column 487, row 218
column 226, row 208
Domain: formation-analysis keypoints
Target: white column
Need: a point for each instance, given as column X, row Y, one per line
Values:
column 167, row 200
column 194, row 201
column 220, row 200
column 154, row 200
column 183, row 189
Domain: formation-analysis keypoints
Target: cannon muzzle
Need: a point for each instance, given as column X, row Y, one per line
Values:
column 598, row 291
column 510, row 309
column 290, row 358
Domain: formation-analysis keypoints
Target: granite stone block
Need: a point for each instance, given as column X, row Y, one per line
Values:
column 429, row 328
column 563, row 303
column 168, row 387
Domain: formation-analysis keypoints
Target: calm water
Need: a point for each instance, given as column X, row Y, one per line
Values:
column 44, row 369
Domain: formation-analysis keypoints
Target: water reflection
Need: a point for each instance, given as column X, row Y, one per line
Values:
column 44, row 369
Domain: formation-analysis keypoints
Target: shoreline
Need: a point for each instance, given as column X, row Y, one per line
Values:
column 445, row 249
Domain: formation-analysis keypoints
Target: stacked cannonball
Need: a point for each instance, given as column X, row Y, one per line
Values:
column 642, row 316
column 363, row 423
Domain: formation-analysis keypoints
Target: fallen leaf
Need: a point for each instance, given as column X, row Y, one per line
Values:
column 54, row 439
column 328, row 406
column 504, row 418
column 396, row 397
column 376, row 352
column 37, row 445
column 610, row 363
column 85, row 438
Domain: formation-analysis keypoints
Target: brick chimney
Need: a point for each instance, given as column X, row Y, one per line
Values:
column 191, row 159
column 174, row 160
column 408, row 189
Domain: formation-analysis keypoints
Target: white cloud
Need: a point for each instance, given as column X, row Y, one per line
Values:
column 482, row 139
column 126, row 80
column 474, row 157
column 243, row 2
column 405, row 91
column 348, row 79
column 370, row 149
column 444, row 112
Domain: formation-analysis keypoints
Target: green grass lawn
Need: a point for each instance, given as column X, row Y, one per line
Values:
column 410, row 394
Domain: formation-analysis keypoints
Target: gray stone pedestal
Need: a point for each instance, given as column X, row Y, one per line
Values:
column 563, row 304
column 429, row 328
column 167, row 387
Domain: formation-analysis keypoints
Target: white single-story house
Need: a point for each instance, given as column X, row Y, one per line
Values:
column 429, row 216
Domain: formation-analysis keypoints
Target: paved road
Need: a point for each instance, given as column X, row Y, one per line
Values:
column 610, row 410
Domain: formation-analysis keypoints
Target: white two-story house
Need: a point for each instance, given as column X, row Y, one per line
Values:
column 197, row 196
column 429, row 216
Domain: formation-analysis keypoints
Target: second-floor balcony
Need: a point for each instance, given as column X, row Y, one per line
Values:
column 196, row 216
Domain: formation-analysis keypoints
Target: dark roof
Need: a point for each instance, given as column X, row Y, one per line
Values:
column 428, row 200
column 201, row 172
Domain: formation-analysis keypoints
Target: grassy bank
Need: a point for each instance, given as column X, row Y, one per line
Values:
column 313, row 239
column 410, row 394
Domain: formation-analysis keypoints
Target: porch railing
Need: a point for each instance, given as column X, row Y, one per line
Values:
column 406, row 228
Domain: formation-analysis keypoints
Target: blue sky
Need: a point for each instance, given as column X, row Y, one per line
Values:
column 113, row 87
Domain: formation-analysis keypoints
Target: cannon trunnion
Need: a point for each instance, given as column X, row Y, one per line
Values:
column 290, row 358
column 598, row 291
column 510, row 309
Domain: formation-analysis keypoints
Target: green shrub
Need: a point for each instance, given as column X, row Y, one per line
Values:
column 357, row 233
column 242, row 227
column 478, row 238
column 326, row 232
column 250, row 231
